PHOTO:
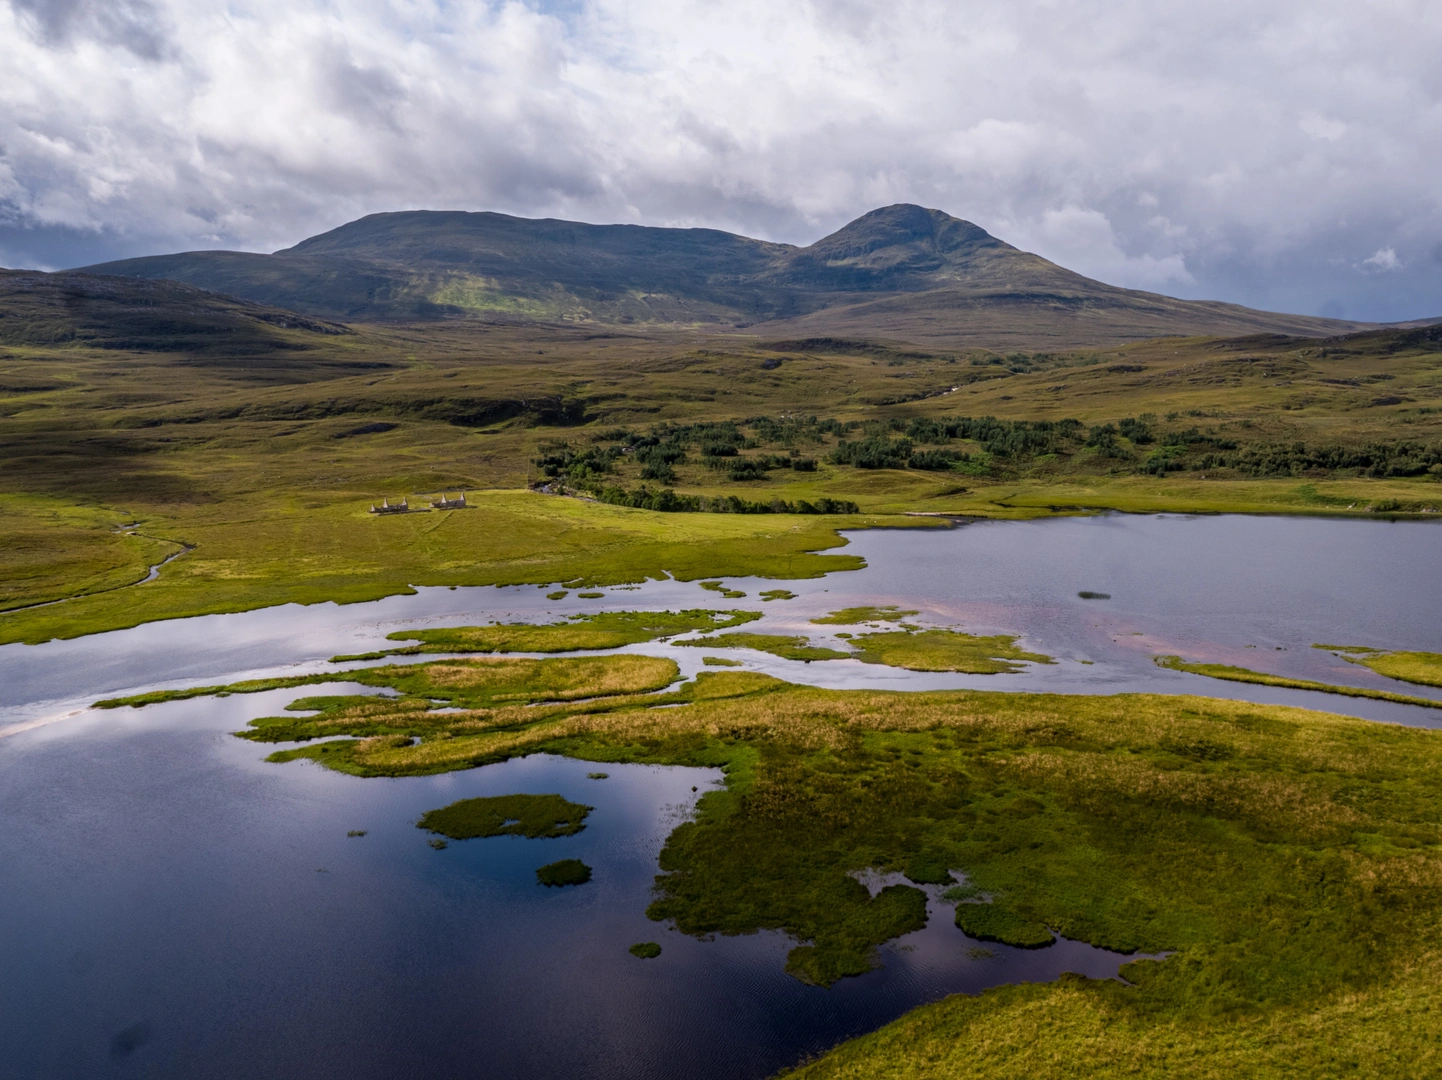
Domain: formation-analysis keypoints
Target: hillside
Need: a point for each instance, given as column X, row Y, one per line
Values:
column 901, row 273
column 145, row 316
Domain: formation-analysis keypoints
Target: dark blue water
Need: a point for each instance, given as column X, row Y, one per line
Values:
column 175, row 907
column 172, row 906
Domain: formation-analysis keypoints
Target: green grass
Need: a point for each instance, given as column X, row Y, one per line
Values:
column 945, row 650
column 645, row 950
column 1415, row 667
column 778, row 594
column 1291, row 860
column 1245, row 675
column 248, row 686
column 266, row 461
column 987, row 922
column 855, row 615
column 531, row 816
column 720, row 661
column 720, row 587
column 564, row 872
column 246, row 557
column 604, row 630
column 788, row 647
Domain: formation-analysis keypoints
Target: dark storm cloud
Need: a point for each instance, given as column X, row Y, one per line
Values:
column 1278, row 154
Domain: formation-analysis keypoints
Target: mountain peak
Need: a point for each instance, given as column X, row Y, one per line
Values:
column 895, row 247
column 903, row 224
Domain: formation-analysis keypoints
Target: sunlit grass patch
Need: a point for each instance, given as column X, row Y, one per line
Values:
column 1415, row 667
column 945, row 650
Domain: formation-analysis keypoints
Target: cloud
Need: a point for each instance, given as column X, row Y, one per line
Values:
column 1385, row 261
column 1232, row 149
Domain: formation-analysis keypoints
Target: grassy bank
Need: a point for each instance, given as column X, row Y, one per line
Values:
column 1261, row 678
column 1415, row 667
column 295, row 554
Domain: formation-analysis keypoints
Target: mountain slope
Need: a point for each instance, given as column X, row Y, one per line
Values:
column 110, row 312
column 902, row 272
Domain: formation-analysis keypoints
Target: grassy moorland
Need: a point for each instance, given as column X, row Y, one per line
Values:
column 1290, row 861
column 259, row 443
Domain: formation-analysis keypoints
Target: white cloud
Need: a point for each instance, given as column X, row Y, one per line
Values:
column 1384, row 261
column 1236, row 148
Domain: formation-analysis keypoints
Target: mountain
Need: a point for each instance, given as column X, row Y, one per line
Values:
column 901, row 272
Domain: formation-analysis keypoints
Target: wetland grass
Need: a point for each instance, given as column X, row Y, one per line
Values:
column 645, row 950
column 778, row 594
column 603, row 630
column 532, row 816
column 1290, row 860
column 788, row 647
column 564, row 872
column 1423, row 668
column 945, row 650
column 1246, row 675
column 856, row 615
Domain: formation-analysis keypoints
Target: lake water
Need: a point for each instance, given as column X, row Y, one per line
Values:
column 172, row 906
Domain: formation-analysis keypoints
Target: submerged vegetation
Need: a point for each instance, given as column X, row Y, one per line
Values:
column 645, row 950
column 531, row 816
column 1241, row 674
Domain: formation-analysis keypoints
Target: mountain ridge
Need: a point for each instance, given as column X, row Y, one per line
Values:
column 901, row 272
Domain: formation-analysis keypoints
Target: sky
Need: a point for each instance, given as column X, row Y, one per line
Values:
column 1284, row 155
